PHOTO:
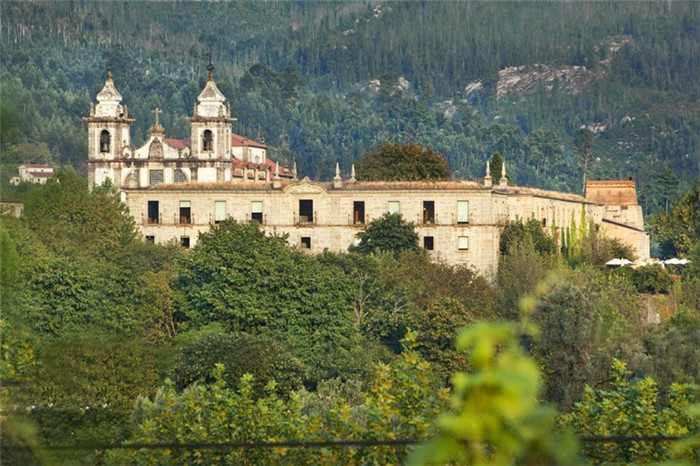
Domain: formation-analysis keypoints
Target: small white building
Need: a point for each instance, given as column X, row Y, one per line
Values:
column 33, row 173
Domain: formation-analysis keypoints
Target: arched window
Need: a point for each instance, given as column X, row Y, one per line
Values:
column 180, row 176
column 208, row 141
column 104, row 141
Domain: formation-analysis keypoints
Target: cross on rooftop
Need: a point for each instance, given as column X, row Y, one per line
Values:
column 157, row 111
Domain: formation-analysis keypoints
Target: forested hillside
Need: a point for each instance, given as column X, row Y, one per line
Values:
column 324, row 82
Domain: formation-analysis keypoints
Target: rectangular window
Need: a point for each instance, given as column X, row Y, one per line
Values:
column 428, row 212
column 306, row 211
column 256, row 211
column 394, row 207
column 155, row 176
column 185, row 212
column 305, row 242
column 153, row 212
column 185, row 241
column 151, row 239
column 544, row 222
column 428, row 243
column 219, row 211
column 358, row 212
column 462, row 211
column 463, row 243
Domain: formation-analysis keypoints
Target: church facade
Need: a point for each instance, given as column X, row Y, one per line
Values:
column 176, row 189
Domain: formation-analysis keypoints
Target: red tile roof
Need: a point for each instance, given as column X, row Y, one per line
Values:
column 176, row 143
column 284, row 173
column 269, row 164
column 236, row 141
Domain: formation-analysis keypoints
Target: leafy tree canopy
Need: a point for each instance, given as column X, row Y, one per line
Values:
column 390, row 233
column 519, row 230
column 70, row 219
column 265, row 359
column 512, row 427
column 629, row 408
column 403, row 401
column 257, row 284
column 678, row 232
column 408, row 162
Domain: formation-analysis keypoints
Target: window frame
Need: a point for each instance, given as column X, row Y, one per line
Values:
column 256, row 214
column 185, row 211
column 462, row 213
column 219, row 218
column 459, row 243
column 396, row 209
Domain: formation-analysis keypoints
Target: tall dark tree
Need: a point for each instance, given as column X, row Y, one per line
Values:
column 584, row 139
column 496, row 166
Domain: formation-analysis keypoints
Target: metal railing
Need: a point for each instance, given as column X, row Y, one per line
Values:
column 304, row 220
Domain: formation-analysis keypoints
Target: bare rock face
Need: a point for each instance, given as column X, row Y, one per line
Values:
column 568, row 79
column 519, row 79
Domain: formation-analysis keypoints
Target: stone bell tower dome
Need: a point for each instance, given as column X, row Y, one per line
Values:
column 109, row 133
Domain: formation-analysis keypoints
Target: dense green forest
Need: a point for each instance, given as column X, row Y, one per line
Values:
column 325, row 82
column 107, row 339
column 243, row 338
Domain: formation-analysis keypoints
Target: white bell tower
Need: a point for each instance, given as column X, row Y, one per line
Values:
column 211, row 133
column 109, row 132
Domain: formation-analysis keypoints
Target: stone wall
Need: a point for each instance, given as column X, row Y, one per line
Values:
column 335, row 215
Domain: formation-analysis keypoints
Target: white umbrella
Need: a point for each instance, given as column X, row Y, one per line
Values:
column 626, row 262
column 614, row 262
column 675, row 261
column 685, row 261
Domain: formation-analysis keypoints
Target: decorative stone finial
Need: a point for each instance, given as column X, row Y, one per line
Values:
column 294, row 169
column 352, row 174
column 503, row 182
column 488, row 181
column 337, row 181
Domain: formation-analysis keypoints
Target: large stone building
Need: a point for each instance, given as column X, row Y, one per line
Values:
column 176, row 189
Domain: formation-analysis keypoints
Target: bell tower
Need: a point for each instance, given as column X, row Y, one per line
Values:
column 109, row 132
column 211, row 125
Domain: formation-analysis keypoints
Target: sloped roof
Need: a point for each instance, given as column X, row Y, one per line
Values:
column 177, row 143
column 269, row 164
column 236, row 141
column 41, row 174
column 29, row 166
column 241, row 141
